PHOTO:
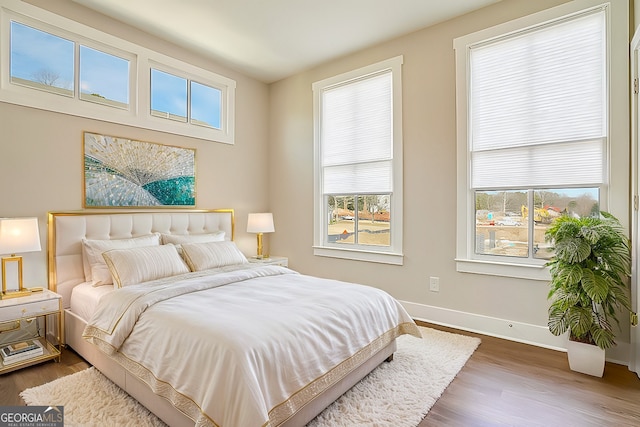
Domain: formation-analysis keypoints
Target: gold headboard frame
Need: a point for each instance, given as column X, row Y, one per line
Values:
column 66, row 229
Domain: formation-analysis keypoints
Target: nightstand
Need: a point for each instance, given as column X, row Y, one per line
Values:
column 274, row 260
column 38, row 307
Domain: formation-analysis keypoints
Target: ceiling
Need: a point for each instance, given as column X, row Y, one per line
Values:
column 273, row 39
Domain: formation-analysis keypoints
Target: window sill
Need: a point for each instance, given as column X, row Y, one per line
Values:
column 358, row 255
column 492, row 268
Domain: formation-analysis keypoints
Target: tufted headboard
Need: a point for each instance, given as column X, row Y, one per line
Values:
column 67, row 229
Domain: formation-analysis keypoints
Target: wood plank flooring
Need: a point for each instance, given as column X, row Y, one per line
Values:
column 13, row 383
column 506, row 383
column 503, row 384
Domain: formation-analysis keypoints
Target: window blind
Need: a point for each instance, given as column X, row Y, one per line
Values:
column 356, row 132
column 538, row 106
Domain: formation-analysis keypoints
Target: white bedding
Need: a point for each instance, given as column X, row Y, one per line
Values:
column 85, row 297
column 247, row 347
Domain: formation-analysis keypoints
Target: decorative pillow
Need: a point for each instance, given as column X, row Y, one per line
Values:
column 137, row 265
column 203, row 256
column 96, row 270
column 178, row 239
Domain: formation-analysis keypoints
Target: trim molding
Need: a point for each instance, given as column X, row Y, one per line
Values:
column 503, row 328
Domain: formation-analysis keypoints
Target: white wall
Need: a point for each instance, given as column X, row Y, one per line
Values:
column 513, row 308
column 41, row 152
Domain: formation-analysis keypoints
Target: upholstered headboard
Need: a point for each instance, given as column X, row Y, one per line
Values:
column 67, row 229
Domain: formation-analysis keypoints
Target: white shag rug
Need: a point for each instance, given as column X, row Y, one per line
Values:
column 396, row 394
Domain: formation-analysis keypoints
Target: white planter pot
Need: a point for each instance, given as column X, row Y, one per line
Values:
column 585, row 358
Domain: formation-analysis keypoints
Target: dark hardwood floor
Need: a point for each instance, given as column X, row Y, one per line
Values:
column 503, row 384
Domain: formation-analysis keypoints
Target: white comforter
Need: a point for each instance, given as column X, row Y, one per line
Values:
column 246, row 347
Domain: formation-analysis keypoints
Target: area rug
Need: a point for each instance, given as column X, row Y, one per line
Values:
column 396, row 394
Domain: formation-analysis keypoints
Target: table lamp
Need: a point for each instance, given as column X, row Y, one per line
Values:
column 17, row 235
column 260, row 223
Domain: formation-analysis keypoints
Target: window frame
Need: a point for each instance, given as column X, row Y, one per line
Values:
column 189, row 78
column 321, row 246
column 141, row 61
column 71, row 92
column 467, row 261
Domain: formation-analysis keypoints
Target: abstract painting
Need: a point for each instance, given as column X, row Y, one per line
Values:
column 120, row 172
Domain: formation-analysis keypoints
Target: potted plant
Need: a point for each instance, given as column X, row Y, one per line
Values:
column 590, row 270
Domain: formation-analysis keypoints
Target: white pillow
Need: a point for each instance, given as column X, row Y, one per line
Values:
column 203, row 256
column 137, row 265
column 96, row 270
column 178, row 239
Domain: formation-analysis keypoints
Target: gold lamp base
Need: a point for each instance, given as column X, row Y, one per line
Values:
column 259, row 255
column 21, row 291
column 15, row 294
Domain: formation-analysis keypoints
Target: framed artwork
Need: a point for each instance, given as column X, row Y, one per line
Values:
column 120, row 172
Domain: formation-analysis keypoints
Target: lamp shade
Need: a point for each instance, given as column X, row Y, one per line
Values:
column 260, row 223
column 18, row 235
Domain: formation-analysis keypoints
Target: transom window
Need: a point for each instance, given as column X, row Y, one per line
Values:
column 56, row 64
column 183, row 100
column 41, row 60
column 168, row 96
column 47, row 62
column 104, row 78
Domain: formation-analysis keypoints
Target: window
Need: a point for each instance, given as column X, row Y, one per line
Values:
column 168, row 96
column 171, row 94
column 534, row 147
column 104, row 78
column 56, row 64
column 358, row 164
column 47, row 62
column 205, row 105
column 41, row 60
column 503, row 223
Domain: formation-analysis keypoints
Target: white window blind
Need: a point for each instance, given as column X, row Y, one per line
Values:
column 538, row 106
column 357, row 139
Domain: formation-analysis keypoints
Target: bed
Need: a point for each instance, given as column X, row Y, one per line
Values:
column 166, row 306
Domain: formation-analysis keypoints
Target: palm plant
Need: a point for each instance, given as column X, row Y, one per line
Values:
column 589, row 277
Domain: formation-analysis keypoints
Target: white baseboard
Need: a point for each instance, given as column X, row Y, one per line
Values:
column 503, row 328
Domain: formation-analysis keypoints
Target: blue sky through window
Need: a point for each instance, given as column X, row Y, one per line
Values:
column 40, row 57
column 104, row 75
column 205, row 104
column 168, row 93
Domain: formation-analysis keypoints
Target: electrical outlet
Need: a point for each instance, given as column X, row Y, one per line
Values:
column 434, row 284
